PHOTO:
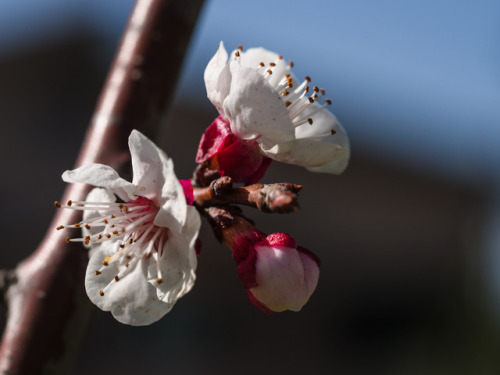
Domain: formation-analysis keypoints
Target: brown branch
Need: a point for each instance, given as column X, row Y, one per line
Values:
column 47, row 309
column 276, row 198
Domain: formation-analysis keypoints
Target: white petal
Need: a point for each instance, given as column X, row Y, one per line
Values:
column 254, row 108
column 311, row 274
column 323, row 122
column 155, row 179
column 101, row 176
column 213, row 73
column 252, row 57
column 96, row 195
column 315, row 155
column 280, row 275
column 132, row 300
column 178, row 261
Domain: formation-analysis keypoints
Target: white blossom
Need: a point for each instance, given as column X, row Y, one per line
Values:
column 263, row 101
column 141, row 235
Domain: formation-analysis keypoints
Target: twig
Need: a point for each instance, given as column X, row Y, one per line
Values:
column 276, row 198
column 47, row 308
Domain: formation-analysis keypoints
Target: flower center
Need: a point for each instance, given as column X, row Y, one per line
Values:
column 129, row 226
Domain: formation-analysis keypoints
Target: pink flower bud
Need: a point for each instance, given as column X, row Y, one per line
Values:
column 278, row 274
column 240, row 159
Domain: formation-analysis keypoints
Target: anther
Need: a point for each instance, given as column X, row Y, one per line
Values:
column 284, row 92
column 78, row 225
column 306, row 89
column 97, row 272
column 280, row 57
column 113, row 216
column 120, row 206
column 126, row 264
column 269, row 71
column 287, row 103
column 333, row 131
column 67, row 239
column 99, row 237
column 159, row 280
column 128, row 256
column 240, row 47
column 290, row 64
column 87, row 226
column 101, row 293
column 237, row 54
column 108, row 235
column 261, row 64
column 70, row 202
column 328, row 101
column 310, row 121
column 322, row 91
column 308, row 79
column 122, row 246
column 272, row 64
column 60, row 227
column 117, row 278
column 311, row 100
column 315, row 88
column 57, row 204
column 105, row 263
column 115, row 232
column 105, row 221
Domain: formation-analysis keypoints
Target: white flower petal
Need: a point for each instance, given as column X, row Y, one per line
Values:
column 178, row 261
column 214, row 77
column 315, row 155
column 254, row 108
column 280, row 275
column 155, row 179
column 252, row 57
column 96, row 195
column 131, row 300
column 101, row 176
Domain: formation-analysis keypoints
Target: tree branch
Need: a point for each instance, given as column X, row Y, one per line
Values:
column 47, row 306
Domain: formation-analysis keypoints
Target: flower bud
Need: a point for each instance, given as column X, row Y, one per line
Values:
column 240, row 159
column 278, row 274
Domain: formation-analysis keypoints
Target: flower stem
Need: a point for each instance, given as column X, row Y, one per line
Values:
column 271, row 198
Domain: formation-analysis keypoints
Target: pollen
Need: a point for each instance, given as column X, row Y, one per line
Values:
column 57, row 204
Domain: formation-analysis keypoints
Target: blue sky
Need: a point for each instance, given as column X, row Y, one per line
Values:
column 416, row 83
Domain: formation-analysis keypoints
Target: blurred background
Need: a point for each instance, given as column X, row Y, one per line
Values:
column 408, row 236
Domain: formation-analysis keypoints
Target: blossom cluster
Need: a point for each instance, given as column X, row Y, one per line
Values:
column 143, row 235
